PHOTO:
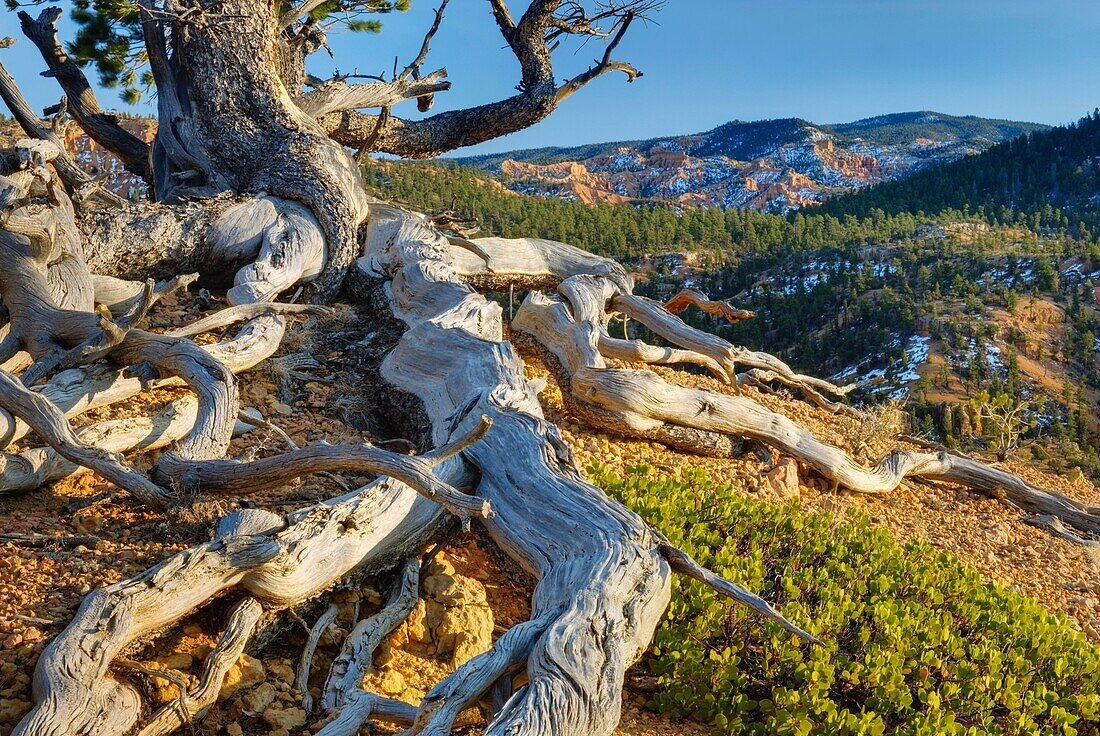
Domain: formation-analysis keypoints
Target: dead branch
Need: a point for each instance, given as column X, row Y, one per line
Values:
column 102, row 127
column 530, row 39
column 720, row 308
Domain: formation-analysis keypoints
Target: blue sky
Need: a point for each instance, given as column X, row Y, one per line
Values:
column 709, row 61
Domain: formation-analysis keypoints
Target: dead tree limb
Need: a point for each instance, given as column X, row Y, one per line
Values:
column 102, row 127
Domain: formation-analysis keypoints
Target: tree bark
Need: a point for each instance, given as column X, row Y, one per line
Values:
column 234, row 127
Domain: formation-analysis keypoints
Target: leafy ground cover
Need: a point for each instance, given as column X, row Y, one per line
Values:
column 915, row 642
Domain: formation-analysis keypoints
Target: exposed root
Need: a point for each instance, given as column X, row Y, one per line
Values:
column 653, row 315
column 290, row 562
column 229, row 476
column 363, row 707
column 762, row 378
column 193, row 705
column 120, row 295
column 288, row 241
column 74, row 392
column 305, row 664
column 356, row 656
column 35, row 467
column 642, row 401
column 243, row 313
column 50, row 424
column 682, row 563
column 461, row 690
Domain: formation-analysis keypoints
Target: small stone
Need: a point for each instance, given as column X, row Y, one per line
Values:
column 256, row 700
column 998, row 533
column 177, row 661
column 281, row 671
column 280, row 408
column 440, row 566
column 12, row 710
column 286, row 718
column 246, row 672
column 782, row 480
column 1077, row 477
column 391, row 682
column 370, row 594
column 416, row 624
column 234, row 729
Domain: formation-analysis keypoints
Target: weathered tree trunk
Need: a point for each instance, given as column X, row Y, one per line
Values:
column 233, row 127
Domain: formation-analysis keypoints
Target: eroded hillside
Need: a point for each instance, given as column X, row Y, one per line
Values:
column 770, row 166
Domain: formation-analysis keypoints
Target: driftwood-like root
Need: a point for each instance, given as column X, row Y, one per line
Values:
column 602, row 580
column 363, row 707
column 76, row 391
column 50, row 424
column 193, row 705
column 279, row 562
column 38, row 466
column 229, row 476
column 305, row 664
column 356, row 656
column 654, row 316
column 642, row 401
column 288, row 242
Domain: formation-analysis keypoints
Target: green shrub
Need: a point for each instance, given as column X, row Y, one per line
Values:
column 915, row 642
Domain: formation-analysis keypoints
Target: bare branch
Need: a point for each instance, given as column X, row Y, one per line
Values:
column 73, row 176
column 103, row 127
column 606, row 64
column 539, row 93
column 413, row 69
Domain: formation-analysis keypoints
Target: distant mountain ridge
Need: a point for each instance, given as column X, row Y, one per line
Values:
column 767, row 165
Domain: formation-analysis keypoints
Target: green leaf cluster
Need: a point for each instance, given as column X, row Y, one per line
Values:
column 915, row 642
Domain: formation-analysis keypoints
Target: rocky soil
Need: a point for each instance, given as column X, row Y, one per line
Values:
column 468, row 596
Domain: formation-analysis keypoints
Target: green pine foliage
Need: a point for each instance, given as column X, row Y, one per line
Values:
column 915, row 642
column 109, row 37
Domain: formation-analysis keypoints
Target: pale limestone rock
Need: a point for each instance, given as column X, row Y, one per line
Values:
column 256, row 700
column 782, row 480
column 289, row 719
column 246, row 672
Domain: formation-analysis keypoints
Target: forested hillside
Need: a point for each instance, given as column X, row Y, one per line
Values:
column 961, row 319
column 1049, row 176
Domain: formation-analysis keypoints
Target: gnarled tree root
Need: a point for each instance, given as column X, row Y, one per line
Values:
column 278, row 561
column 642, row 401
column 38, row 466
column 603, row 581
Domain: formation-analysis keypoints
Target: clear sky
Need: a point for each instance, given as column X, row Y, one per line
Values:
column 709, row 61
